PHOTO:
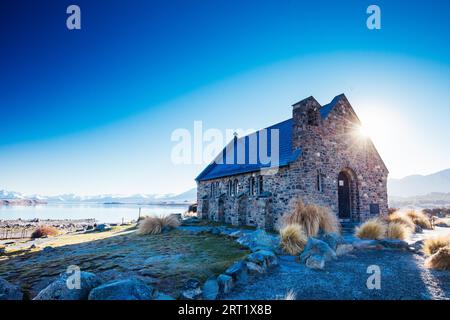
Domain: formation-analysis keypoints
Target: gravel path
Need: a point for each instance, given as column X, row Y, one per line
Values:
column 402, row 277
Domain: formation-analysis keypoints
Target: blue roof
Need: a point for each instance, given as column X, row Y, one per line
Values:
column 223, row 167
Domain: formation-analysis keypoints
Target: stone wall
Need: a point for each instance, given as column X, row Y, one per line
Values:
column 329, row 145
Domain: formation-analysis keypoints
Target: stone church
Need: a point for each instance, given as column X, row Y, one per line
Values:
column 321, row 158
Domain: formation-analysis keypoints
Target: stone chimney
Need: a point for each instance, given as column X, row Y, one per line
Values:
column 306, row 120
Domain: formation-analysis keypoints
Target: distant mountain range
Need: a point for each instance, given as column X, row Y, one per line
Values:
column 419, row 185
column 419, row 190
column 19, row 198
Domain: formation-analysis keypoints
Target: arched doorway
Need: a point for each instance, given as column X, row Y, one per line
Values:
column 344, row 195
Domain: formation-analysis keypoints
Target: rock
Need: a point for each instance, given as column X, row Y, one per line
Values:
column 442, row 224
column 332, row 239
column 190, row 220
column 418, row 229
column 316, row 262
column 225, row 282
column 236, row 234
column 48, row 249
column 259, row 240
column 33, row 246
column 317, row 247
column 162, row 296
column 102, row 227
column 264, row 258
column 343, row 249
column 366, row 244
column 127, row 289
column 416, row 246
column 62, row 288
column 192, row 290
column 254, row 268
column 210, row 289
column 8, row 291
column 394, row 244
column 238, row 272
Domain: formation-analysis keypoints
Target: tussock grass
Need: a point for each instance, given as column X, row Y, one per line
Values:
column 373, row 229
column 432, row 245
column 293, row 239
column 402, row 218
column 156, row 224
column 311, row 217
column 440, row 260
column 290, row 295
column 420, row 219
column 397, row 230
column 44, row 231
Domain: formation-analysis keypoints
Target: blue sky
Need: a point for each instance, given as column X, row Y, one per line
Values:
column 92, row 111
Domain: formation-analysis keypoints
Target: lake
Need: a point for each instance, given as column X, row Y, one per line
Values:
column 111, row 213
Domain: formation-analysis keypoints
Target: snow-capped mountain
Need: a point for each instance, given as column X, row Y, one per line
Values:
column 188, row 196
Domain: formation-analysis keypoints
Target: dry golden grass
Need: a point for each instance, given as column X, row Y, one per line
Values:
column 311, row 217
column 397, row 230
column 432, row 245
column 403, row 218
column 293, row 239
column 290, row 295
column 373, row 229
column 440, row 260
column 419, row 218
column 44, row 231
column 155, row 224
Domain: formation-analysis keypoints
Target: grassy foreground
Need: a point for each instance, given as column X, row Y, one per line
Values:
column 165, row 261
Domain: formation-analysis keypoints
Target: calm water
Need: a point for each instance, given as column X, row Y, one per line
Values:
column 100, row 212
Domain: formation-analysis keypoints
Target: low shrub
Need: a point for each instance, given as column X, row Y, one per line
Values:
column 44, row 231
column 432, row 245
column 396, row 230
column 311, row 217
column 157, row 224
column 402, row 218
column 420, row 219
column 440, row 260
column 293, row 239
column 373, row 229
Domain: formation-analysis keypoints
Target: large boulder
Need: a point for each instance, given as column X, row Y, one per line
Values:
column 316, row 247
column 254, row 268
column 192, row 290
column 259, row 240
column 225, row 282
column 238, row 272
column 394, row 244
column 127, row 289
column 264, row 258
column 8, row 291
column 343, row 249
column 315, row 262
column 332, row 239
column 210, row 289
column 64, row 289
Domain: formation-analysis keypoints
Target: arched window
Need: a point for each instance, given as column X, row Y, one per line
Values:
column 212, row 190
column 230, row 187
column 217, row 189
column 319, row 181
column 260, row 185
column 235, row 187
